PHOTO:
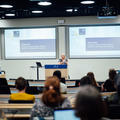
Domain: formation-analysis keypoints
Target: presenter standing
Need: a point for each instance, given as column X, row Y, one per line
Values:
column 63, row 60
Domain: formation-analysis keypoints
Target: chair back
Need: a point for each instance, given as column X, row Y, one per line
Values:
column 3, row 82
column 34, row 90
column 114, row 111
column 5, row 90
column 20, row 101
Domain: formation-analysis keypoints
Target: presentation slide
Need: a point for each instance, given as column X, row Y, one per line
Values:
column 30, row 43
column 94, row 41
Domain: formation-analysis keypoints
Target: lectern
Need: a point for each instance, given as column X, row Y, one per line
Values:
column 38, row 65
column 49, row 70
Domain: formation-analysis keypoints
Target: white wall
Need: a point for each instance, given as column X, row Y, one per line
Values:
column 77, row 67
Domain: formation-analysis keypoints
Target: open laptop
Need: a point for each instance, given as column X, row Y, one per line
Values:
column 65, row 114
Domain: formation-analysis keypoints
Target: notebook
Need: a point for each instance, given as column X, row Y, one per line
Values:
column 65, row 114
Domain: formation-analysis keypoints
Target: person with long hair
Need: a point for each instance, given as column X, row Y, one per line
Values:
column 51, row 98
column 63, row 87
column 92, row 77
column 109, row 85
column 115, row 97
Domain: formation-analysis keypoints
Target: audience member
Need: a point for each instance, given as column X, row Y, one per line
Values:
column 88, row 104
column 85, row 81
column 115, row 98
column 92, row 77
column 63, row 87
column 50, row 99
column 94, row 83
column 21, row 85
column 109, row 86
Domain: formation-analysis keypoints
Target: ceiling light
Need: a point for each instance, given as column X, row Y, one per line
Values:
column 37, row 11
column 44, row 3
column 3, row 17
column 10, row 14
column 87, row 2
column 69, row 10
column 6, row 6
column 75, row 10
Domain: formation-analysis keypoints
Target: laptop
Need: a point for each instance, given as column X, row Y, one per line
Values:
column 65, row 114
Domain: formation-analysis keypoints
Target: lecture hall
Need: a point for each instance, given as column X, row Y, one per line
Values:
column 59, row 59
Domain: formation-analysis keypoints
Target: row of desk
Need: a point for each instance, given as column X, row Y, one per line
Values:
column 25, row 108
column 4, row 105
column 69, row 90
column 40, row 83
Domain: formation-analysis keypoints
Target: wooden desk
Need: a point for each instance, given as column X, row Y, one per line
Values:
column 17, row 115
column 71, row 98
column 15, row 106
column 31, row 83
column 107, row 93
column 40, row 83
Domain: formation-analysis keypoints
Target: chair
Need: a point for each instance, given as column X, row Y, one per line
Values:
column 63, row 80
column 3, row 82
column 5, row 90
column 21, row 101
column 77, row 83
column 114, row 111
column 34, row 90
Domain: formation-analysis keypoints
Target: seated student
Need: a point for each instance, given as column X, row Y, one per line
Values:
column 115, row 98
column 88, row 104
column 21, row 84
column 50, row 99
column 85, row 81
column 108, row 86
column 92, row 77
column 63, row 87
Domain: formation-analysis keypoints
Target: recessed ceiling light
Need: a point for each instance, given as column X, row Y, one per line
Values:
column 44, row 3
column 75, row 10
column 88, row 2
column 10, row 14
column 37, row 11
column 6, row 6
column 69, row 10
column 3, row 17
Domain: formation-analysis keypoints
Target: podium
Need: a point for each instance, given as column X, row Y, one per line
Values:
column 49, row 70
